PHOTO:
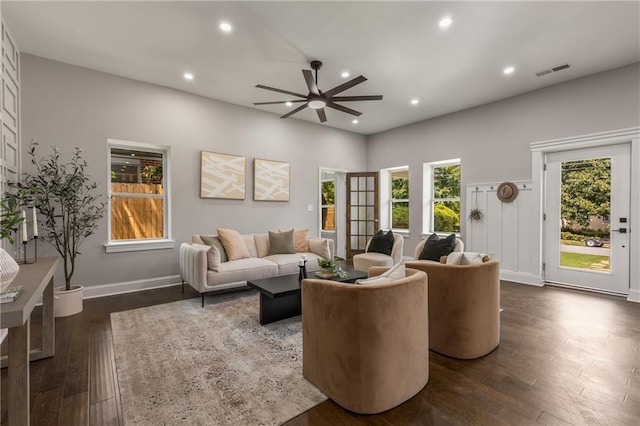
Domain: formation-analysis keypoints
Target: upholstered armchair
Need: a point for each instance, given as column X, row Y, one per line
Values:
column 366, row 346
column 364, row 261
column 464, row 307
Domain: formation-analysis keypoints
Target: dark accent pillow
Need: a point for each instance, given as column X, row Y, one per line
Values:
column 281, row 242
column 215, row 241
column 435, row 247
column 381, row 242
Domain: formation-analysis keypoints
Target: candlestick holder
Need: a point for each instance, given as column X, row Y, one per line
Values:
column 23, row 252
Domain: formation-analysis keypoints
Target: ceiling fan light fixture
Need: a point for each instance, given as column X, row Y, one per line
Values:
column 316, row 102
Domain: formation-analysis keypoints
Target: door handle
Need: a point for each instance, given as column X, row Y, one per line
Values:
column 621, row 230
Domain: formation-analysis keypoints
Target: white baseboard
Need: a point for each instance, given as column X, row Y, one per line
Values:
column 634, row 296
column 521, row 278
column 102, row 290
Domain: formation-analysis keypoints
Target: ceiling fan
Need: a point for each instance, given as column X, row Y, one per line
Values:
column 317, row 99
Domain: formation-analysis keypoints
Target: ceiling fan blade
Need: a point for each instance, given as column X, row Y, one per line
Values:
column 349, row 84
column 311, row 84
column 356, row 98
column 344, row 109
column 279, row 102
column 286, row 92
column 321, row 115
column 290, row 113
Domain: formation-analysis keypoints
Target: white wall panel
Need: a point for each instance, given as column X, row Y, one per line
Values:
column 505, row 231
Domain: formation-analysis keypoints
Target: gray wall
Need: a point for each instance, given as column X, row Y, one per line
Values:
column 69, row 106
column 493, row 140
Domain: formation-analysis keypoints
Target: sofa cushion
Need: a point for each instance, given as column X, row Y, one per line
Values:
column 320, row 246
column 436, row 247
column 288, row 263
column 301, row 240
column 215, row 241
column 381, row 242
column 281, row 242
column 251, row 268
column 233, row 243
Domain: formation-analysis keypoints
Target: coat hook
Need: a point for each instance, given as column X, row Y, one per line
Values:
column 524, row 185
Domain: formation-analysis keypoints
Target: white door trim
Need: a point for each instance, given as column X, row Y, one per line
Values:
column 613, row 137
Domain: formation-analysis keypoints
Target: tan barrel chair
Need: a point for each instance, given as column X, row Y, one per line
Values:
column 364, row 261
column 464, row 307
column 366, row 346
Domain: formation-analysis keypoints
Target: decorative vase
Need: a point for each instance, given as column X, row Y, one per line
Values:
column 67, row 303
column 9, row 268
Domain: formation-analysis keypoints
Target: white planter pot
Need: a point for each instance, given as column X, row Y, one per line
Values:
column 67, row 303
column 8, row 269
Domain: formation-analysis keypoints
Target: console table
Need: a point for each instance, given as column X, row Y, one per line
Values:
column 36, row 280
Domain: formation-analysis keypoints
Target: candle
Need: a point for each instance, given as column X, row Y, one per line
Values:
column 24, row 227
column 301, row 262
column 304, row 257
column 35, row 222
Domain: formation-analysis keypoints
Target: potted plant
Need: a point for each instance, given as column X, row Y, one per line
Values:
column 63, row 194
column 475, row 214
column 327, row 265
column 10, row 219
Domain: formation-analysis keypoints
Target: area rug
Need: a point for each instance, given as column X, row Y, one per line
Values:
column 179, row 363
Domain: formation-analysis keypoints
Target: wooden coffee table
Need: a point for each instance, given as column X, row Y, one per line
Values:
column 280, row 297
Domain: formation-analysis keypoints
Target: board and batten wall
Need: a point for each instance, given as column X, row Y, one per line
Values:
column 505, row 230
column 493, row 143
column 69, row 106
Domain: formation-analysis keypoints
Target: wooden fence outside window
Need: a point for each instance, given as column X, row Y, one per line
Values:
column 137, row 216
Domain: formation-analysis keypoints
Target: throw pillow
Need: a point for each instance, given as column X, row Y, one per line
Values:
column 301, row 240
column 396, row 272
column 454, row 258
column 381, row 242
column 319, row 246
column 281, row 242
column 436, row 247
column 213, row 258
column 262, row 244
column 233, row 244
column 215, row 241
column 374, row 280
column 465, row 258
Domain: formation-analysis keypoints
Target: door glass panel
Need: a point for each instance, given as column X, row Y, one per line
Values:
column 370, row 213
column 370, row 183
column 363, row 243
column 585, row 207
column 354, row 198
column 354, row 242
column 370, row 195
column 370, row 227
column 354, row 213
column 363, row 213
column 363, row 228
column 354, row 183
column 363, row 183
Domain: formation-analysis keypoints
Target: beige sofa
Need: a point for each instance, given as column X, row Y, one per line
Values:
column 366, row 346
column 197, row 271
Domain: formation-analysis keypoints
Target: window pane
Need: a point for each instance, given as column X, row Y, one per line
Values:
column 328, row 192
column 135, row 171
column 446, row 216
column 400, row 185
column 400, row 215
column 446, row 181
column 328, row 219
column 134, row 218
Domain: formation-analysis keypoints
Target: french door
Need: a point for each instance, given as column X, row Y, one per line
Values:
column 362, row 210
column 586, row 230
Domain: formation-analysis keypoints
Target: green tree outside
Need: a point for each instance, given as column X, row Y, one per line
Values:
column 586, row 190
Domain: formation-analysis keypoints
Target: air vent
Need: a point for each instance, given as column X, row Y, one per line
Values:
column 554, row 69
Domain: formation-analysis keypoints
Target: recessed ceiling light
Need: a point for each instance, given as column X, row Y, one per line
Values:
column 508, row 70
column 415, row 101
column 445, row 22
column 288, row 103
column 354, row 121
column 345, row 74
column 225, row 27
column 188, row 76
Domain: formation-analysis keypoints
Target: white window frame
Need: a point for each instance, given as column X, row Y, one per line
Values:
column 386, row 200
column 322, row 206
column 118, row 246
column 428, row 194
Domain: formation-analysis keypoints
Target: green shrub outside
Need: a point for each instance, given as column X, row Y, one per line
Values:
column 446, row 220
column 400, row 216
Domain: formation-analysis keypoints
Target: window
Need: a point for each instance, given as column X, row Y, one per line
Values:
column 138, row 197
column 442, row 197
column 328, row 195
column 400, row 199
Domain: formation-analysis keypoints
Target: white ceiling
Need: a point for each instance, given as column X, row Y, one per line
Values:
column 397, row 46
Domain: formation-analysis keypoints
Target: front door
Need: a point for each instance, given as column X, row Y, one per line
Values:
column 586, row 230
column 362, row 210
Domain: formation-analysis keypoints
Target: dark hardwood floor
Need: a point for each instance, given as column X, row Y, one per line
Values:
column 565, row 357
